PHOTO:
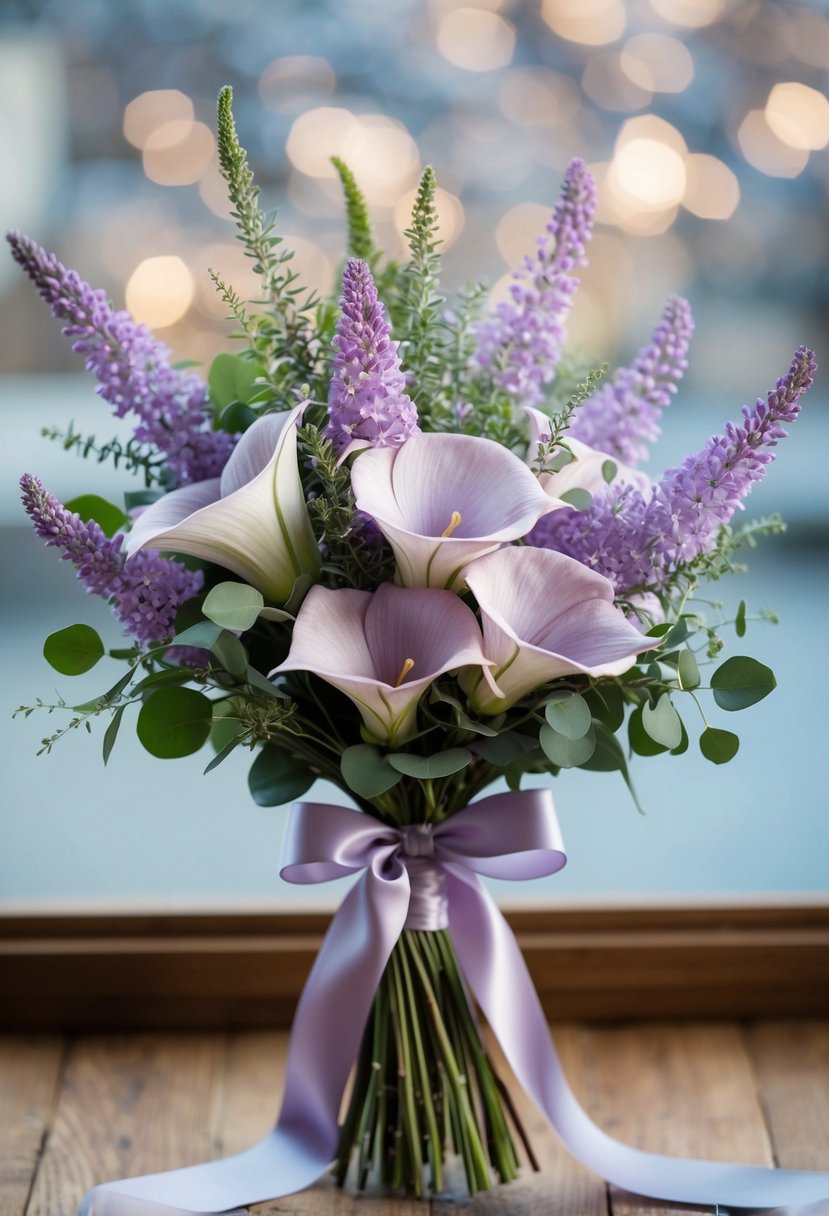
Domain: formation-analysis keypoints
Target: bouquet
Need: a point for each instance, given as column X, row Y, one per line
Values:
column 406, row 546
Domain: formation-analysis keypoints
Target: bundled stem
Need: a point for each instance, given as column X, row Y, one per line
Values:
column 424, row 1086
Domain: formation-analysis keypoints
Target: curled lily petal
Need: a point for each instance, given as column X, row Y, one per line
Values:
column 443, row 500
column 586, row 471
column 252, row 521
column 545, row 616
column 384, row 648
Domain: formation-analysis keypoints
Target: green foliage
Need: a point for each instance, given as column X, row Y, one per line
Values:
column 568, row 714
column 688, row 670
column 417, row 317
column 718, row 746
column 276, row 777
column 428, row 768
column 92, row 507
column 73, row 650
column 282, row 340
column 360, row 235
column 367, row 771
column 174, row 722
column 563, row 751
column 132, row 456
column 741, row 681
column 548, row 457
column 233, row 605
column 232, row 381
column 662, row 722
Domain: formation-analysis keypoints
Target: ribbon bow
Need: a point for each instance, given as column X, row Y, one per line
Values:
column 425, row 876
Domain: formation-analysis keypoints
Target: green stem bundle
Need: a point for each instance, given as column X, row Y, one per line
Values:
column 424, row 1086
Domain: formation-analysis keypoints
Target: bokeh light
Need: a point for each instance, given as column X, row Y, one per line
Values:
column 293, row 83
column 151, row 110
column 160, row 291
column 379, row 150
column 518, row 230
column 538, row 97
column 475, row 39
column 178, row 153
column 658, row 63
column 693, row 14
column 590, row 22
column 799, row 115
column 765, row 151
column 712, row 190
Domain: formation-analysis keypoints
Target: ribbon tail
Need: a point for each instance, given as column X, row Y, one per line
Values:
column 328, row 1026
column 498, row 976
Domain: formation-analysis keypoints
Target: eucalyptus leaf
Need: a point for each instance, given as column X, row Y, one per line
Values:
column 608, row 757
column 275, row 778
column 609, row 470
column 202, row 635
column 688, row 670
column 263, row 684
column 231, row 654
column 741, row 681
column 568, row 714
column 73, row 650
column 640, row 741
column 367, row 771
column 233, row 605
column 677, row 633
column 607, row 703
column 174, row 722
column 503, row 749
column 231, row 378
column 662, row 722
column 111, row 733
column 108, row 517
column 428, row 768
column 740, row 620
column 223, row 753
column 580, row 500
column 564, row 752
column 141, row 498
column 718, row 746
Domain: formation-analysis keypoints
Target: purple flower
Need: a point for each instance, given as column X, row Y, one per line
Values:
column 132, row 368
column 367, row 400
column 146, row 590
column 637, row 540
column 521, row 345
column 625, row 411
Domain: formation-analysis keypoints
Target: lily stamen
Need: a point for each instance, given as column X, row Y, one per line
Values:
column 452, row 525
column 408, row 664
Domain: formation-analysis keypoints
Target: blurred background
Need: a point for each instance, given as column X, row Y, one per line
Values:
column 706, row 124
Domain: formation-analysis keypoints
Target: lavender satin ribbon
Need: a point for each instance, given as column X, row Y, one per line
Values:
column 428, row 878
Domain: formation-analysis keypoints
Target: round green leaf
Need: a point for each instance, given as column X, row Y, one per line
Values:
column 108, row 517
column 275, row 778
column 367, row 771
column 607, row 703
column 230, row 652
column 174, row 722
column 718, row 746
column 688, row 670
column 568, row 714
column 740, row 620
column 640, row 741
column 740, row 682
column 662, row 722
column 609, row 470
column 233, row 605
column 581, row 500
column 231, row 378
column 73, row 650
column 564, row 752
column 427, row 768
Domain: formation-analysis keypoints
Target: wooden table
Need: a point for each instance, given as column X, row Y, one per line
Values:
column 75, row 1111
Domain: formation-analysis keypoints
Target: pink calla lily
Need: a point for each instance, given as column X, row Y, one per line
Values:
column 585, row 472
column 252, row 520
column 384, row 648
column 544, row 616
column 443, row 500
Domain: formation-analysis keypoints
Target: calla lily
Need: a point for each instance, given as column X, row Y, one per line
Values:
column 443, row 500
column 544, row 616
column 585, row 472
column 384, row 648
column 251, row 520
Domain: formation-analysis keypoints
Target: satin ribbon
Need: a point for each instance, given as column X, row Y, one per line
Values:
column 512, row 836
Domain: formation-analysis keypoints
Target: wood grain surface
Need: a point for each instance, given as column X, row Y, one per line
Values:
column 76, row 1112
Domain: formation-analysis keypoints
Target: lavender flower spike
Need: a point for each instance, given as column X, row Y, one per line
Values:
column 636, row 540
column 624, row 413
column 521, row 345
column 132, row 368
column 367, row 401
column 146, row 590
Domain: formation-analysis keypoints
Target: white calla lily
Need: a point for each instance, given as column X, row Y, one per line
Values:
column 252, row 520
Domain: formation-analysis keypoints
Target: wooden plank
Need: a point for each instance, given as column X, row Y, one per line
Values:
column 128, row 1106
column 30, row 1071
column 135, row 971
column 791, row 1063
column 563, row 1187
column 687, row 1091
